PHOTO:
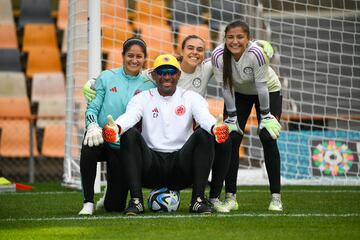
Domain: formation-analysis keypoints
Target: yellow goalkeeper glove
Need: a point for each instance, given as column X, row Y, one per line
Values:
column 89, row 90
column 271, row 124
column 267, row 48
column 233, row 125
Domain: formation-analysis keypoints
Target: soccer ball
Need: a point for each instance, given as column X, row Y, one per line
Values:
column 163, row 200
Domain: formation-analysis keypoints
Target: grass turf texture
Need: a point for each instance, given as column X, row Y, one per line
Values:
column 310, row 212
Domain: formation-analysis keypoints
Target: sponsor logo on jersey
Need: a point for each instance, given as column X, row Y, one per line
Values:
column 180, row 110
column 248, row 70
column 155, row 112
column 196, row 82
column 113, row 89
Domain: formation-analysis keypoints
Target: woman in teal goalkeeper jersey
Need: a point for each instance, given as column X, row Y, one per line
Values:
column 114, row 89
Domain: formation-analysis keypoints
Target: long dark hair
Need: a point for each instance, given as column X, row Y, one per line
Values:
column 227, row 68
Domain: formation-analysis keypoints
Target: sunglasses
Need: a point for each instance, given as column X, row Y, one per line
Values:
column 166, row 71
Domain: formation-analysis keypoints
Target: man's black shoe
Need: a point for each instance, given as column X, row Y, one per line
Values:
column 135, row 207
column 201, row 205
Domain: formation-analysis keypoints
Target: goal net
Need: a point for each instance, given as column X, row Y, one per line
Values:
column 317, row 57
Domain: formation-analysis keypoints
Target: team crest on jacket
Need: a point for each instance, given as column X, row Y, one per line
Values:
column 196, row 82
column 248, row 70
column 180, row 110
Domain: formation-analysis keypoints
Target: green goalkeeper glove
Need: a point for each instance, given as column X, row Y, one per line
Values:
column 267, row 48
column 233, row 125
column 89, row 90
column 271, row 124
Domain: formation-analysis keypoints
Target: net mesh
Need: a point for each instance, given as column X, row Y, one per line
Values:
column 317, row 47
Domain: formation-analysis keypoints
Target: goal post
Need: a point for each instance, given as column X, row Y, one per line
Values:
column 317, row 51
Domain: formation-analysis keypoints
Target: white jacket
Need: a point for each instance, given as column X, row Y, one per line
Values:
column 167, row 122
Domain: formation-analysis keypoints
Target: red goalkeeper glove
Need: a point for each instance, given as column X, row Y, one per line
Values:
column 220, row 130
column 111, row 131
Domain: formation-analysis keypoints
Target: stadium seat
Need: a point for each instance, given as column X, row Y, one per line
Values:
column 252, row 120
column 15, row 127
column 159, row 40
column 158, row 37
column 8, row 36
column 113, row 12
column 114, row 37
column 189, row 12
column 81, row 58
column 150, row 12
column 43, row 60
column 50, row 112
column 14, row 107
column 216, row 105
column 35, row 11
column 6, row 13
column 54, row 141
column 48, row 86
column 10, row 60
column 12, row 84
column 201, row 30
column 62, row 17
column 223, row 12
column 15, row 139
column 39, row 36
column 113, row 59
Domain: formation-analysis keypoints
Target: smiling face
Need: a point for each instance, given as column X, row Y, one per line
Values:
column 166, row 78
column 193, row 52
column 236, row 40
column 134, row 60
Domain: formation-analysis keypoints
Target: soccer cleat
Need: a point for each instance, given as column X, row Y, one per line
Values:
column 202, row 206
column 100, row 203
column 218, row 205
column 230, row 202
column 135, row 207
column 88, row 209
column 275, row 204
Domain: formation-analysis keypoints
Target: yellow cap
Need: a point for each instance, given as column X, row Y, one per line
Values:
column 166, row 59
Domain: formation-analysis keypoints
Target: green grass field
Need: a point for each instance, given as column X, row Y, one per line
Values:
column 311, row 212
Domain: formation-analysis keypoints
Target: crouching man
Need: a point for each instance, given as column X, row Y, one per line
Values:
column 167, row 152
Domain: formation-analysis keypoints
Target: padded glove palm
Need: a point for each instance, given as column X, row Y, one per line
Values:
column 111, row 131
column 93, row 135
column 220, row 130
column 271, row 124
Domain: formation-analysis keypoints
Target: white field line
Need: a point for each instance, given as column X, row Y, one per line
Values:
column 168, row 216
column 188, row 191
